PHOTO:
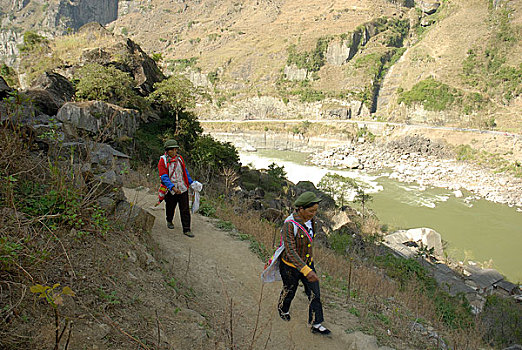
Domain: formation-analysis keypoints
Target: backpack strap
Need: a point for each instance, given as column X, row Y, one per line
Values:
column 167, row 163
column 298, row 225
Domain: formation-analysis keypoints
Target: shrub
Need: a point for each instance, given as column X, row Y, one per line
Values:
column 206, row 209
column 225, row 225
column 311, row 61
column 157, row 56
column 32, row 41
column 455, row 311
column 9, row 75
column 372, row 63
column 502, row 320
column 210, row 157
column 310, row 95
column 404, row 270
column 485, row 68
column 182, row 64
column 465, row 152
column 340, row 242
column 367, row 134
column 109, row 84
column 213, row 77
column 433, row 95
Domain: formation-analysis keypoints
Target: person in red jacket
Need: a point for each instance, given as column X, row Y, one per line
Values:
column 175, row 177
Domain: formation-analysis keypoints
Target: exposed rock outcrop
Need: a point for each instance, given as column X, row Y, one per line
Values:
column 268, row 107
column 43, row 101
column 408, row 242
column 338, row 53
column 4, row 88
column 293, row 73
column 69, row 14
column 98, row 118
column 428, row 6
column 9, row 41
column 129, row 57
column 56, row 84
column 19, row 4
column 199, row 79
column 49, row 92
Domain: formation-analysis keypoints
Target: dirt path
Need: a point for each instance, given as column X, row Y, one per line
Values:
column 223, row 271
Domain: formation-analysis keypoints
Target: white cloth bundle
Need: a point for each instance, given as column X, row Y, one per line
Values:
column 271, row 272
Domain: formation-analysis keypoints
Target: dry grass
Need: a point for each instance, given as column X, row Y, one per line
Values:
column 383, row 305
column 69, row 48
column 251, row 223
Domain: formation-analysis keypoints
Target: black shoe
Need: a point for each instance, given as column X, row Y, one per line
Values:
column 320, row 330
column 188, row 233
column 170, row 225
column 285, row 316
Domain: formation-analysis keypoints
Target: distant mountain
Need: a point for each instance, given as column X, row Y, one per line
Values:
column 448, row 62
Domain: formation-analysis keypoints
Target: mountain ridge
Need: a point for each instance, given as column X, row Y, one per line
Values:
column 326, row 56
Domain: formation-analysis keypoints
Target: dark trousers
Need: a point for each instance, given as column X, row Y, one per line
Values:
column 171, row 201
column 291, row 277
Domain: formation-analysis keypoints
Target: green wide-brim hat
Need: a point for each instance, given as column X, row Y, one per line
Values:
column 170, row 144
column 305, row 199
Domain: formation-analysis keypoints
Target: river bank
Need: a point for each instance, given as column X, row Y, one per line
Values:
column 418, row 160
column 411, row 153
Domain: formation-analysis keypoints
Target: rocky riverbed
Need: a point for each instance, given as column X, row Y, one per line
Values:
column 419, row 160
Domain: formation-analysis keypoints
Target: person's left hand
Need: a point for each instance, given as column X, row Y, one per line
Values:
column 312, row 277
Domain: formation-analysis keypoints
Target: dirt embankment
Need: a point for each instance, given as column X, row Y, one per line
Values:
column 227, row 292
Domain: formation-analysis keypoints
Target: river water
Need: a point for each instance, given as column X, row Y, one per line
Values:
column 475, row 230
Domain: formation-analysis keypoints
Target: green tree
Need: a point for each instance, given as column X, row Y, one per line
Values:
column 188, row 131
column 277, row 174
column 338, row 187
column 210, row 157
column 173, row 95
column 363, row 198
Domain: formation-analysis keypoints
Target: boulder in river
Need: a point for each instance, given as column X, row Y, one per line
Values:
column 408, row 242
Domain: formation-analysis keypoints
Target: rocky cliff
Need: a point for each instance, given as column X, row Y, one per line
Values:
column 48, row 18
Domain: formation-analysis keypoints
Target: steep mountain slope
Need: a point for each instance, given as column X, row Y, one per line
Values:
column 441, row 53
column 242, row 51
column 449, row 62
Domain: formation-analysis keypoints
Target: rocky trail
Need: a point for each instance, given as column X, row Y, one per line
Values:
column 224, row 277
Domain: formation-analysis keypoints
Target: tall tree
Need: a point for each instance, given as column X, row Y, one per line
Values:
column 173, row 95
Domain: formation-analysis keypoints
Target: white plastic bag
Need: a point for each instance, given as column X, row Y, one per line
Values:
column 271, row 272
column 197, row 187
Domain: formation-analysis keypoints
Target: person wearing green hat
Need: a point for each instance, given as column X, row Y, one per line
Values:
column 297, row 261
column 175, row 176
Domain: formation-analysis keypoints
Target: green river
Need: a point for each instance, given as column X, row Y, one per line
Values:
column 474, row 229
